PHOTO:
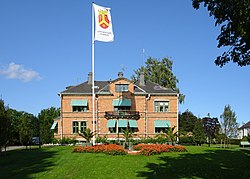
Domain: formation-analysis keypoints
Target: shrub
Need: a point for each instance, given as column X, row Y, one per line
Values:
column 111, row 149
column 185, row 140
column 234, row 141
column 244, row 139
column 102, row 140
column 153, row 149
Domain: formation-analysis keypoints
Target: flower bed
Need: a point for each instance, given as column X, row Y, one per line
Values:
column 153, row 149
column 111, row 149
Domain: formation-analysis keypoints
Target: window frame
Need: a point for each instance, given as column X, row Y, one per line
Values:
column 81, row 125
column 121, row 87
column 161, row 106
column 113, row 130
column 159, row 130
column 79, row 108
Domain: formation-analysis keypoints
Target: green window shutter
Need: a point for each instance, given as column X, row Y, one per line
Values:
column 122, row 102
column 79, row 102
column 122, row 123
column 111, row 123
column 54, row 125
column 133, row 123
column 162, row 123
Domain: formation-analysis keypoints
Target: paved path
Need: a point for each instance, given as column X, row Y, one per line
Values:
column 13, row 148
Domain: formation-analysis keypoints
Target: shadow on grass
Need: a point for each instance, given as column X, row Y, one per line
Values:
column 211, row 164
column 24, row 163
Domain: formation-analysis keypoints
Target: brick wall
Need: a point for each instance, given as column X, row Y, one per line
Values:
column 104, row 103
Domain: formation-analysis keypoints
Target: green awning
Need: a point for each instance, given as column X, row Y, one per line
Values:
column 79, row 102
column 111, row 123
column 133, row 123
column 162, row 123
column 122, row 123
column 54, row 125
column 122, row 102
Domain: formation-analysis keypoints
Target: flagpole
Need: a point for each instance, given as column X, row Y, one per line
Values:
column 93, row 75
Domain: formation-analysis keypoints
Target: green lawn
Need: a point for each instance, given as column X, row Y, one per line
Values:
column 60, row 162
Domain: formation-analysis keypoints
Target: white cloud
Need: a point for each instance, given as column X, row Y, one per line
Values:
column 16, row 71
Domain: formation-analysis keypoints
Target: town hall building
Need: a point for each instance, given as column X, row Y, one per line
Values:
column 144, row 107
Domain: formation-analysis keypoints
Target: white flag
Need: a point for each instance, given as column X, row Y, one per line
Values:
column 103, row 24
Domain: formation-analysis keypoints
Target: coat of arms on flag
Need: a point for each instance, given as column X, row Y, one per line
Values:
column 103, row 24
column 103, row 19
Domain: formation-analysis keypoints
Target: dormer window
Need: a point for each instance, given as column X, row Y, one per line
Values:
column 121, row 87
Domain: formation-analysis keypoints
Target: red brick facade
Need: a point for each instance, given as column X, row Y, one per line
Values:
column 142, row 102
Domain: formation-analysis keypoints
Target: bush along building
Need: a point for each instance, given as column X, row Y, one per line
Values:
column 144, row 107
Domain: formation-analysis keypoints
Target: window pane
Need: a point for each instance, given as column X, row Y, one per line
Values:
column 75, row 127
column 79, row 108
column 83, row 126
column 121, row 87
column 112, row 130
column 160, row 129
column 161, row 106
column 156, row 106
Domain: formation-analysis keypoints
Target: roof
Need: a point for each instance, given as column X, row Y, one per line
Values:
column 247, row 125
column 102, row 87
column 153, row 88
column 85, row 88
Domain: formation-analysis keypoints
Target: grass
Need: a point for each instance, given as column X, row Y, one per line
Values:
column 60, row 162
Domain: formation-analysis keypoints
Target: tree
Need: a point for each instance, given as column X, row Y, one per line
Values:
column 127, row 134
column 229, row 123
column 211, row 127
column 87, row 134
column 4, row 126
column 171, row 135
column 46, row 118
column 234, row 18
column 160, row 72
column 187, row 122
column 199, row 134
column 27, row 129
column 15, row 119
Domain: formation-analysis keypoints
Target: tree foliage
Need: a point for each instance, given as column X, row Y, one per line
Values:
column 87, row 134
column 211, row 127
column 172, row 134
column 16, row 120
column 4, row 126
column 234, row 18
column 27, row 128
column 187, row 121
column 127, row 134
column 160, row 72
column 229, row 123
column 199, row 133
column 46, row 118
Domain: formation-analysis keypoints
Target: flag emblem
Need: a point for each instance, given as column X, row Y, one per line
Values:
column 103, row 19
column 103, row 24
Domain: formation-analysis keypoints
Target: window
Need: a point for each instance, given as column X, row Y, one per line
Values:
column 79, row 126
column 79, row 108
column 123, row 124
column 75, row 127
column 161, row 106
column 160, row 129
column 121, row 108
column 79, row 105
column 121, row 87
column 161, row 125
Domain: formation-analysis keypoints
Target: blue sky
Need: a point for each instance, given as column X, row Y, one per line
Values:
column 46, row 46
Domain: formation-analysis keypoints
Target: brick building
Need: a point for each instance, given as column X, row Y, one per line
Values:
column 145, row 107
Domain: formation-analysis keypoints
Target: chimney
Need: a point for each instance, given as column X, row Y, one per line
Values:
column 141, row 79
column 90, row 78
column 120, row 74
